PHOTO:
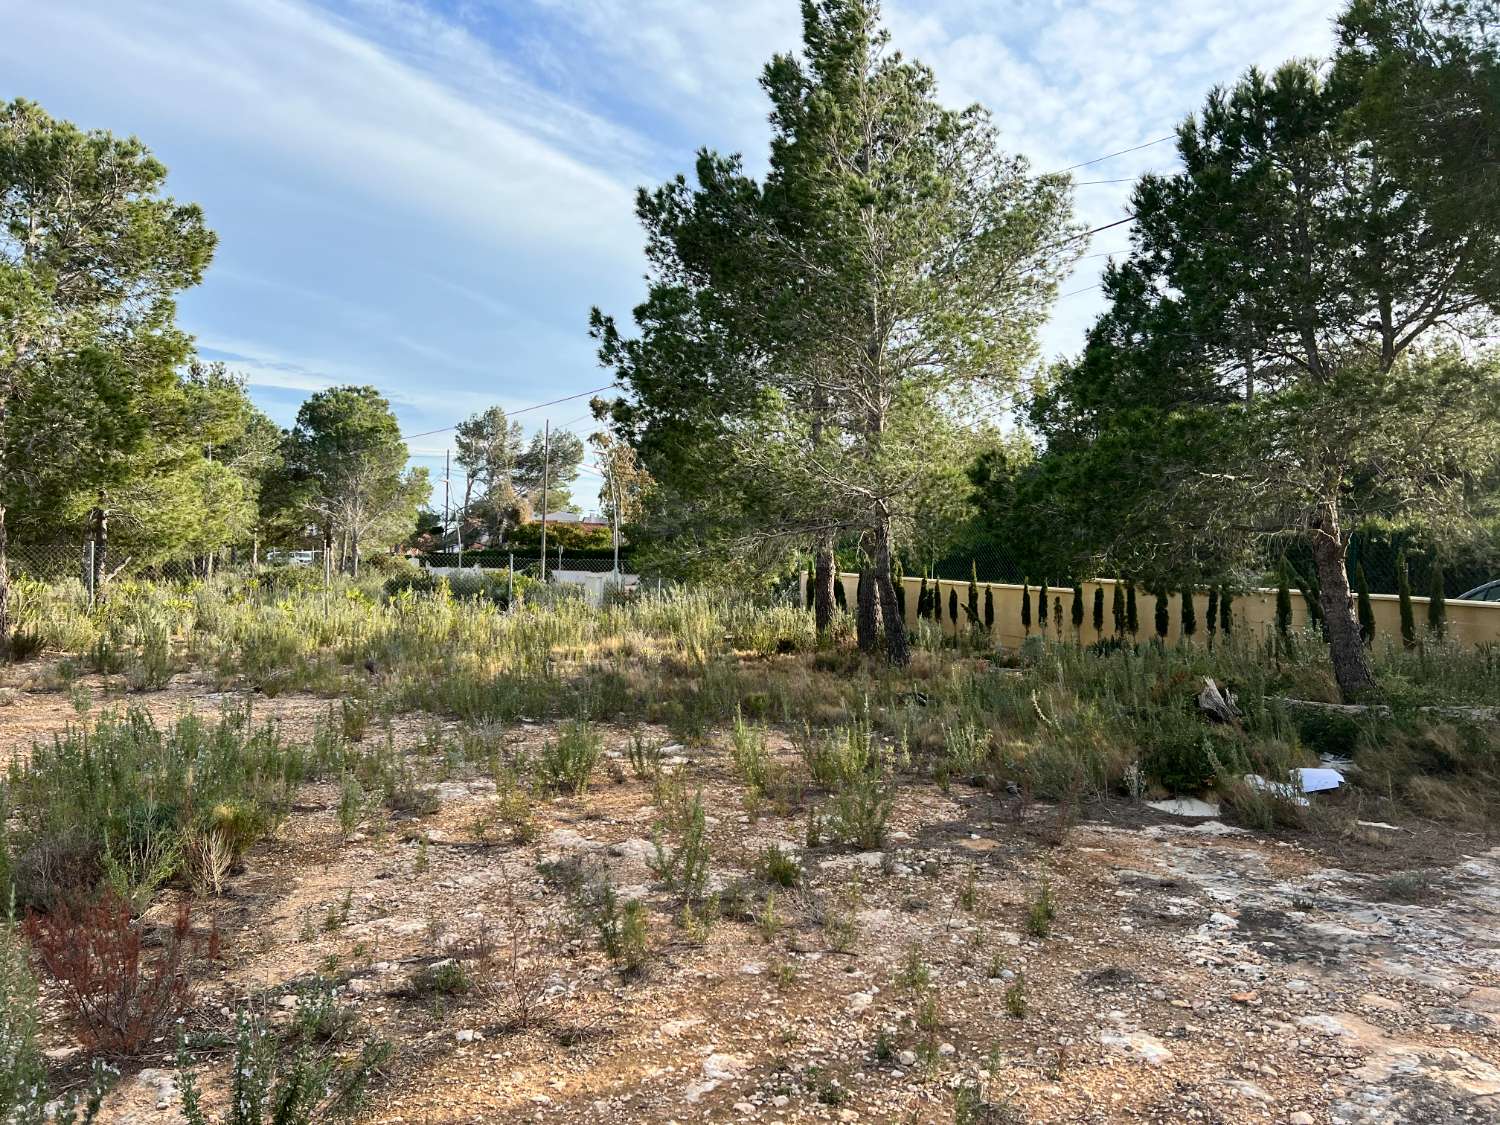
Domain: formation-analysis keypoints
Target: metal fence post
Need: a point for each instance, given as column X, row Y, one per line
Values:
column 92, row 573
column 510, row 584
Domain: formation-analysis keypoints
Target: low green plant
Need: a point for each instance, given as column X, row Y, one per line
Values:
column 915, row 974
column 779, row 866
column 858, row 813
column 1041, row 913
column 567, row 761
column 645, row 756
column 1015, row 998
column 264, row 1086
column 684, row 869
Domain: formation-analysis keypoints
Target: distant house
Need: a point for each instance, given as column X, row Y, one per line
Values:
column 572, row 518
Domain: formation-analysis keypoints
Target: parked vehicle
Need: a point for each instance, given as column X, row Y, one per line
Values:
column 1489, row 592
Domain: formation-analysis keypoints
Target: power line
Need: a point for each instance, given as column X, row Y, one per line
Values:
column 1075, row 292
column 513, row 413
column 1095, row 183
column 1112, row 155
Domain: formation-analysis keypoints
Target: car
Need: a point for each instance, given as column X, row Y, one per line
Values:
column 1489, row 592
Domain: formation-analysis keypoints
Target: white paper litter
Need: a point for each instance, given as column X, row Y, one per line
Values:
column 1301, row 781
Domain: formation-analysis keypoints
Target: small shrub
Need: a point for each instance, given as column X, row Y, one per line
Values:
column 858, row 813
column 442, row 978
column 750, row 756
column 915, row 974
column 645, row 757
column 780, row 867
column 308, row 1088
column 840, row 755
column 1041, row 913
column 685, row 868
column 567, row 761
column 120, row 996
column 1015, row 998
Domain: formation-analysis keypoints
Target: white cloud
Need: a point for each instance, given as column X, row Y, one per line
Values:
column 316, row 101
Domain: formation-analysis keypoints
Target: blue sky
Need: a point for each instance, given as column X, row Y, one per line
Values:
column 428, row 197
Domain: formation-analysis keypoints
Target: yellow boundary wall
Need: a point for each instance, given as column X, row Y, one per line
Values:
column 1254, row 611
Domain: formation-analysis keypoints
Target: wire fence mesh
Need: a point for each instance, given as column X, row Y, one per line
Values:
column 1378, row 554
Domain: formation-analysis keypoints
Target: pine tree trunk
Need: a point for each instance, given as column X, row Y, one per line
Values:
column 867, row 611
column 822, row 579
column 1351, row 661
column 897, row 649
column 4, row 586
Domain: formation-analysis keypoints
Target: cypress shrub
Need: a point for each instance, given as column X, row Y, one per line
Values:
column 1026, row 606
column 1163, row 620
column 922, row 600
column 1437, row 602
column 1211, row 618
column 1226, row 616
column 1283, row 600
column 1117, row 608
column 1099, row 610
column 973, row 606
column 1366, row 610
column 1077, row 608
column 1189, row 613
column 1057, row 618
column 953, row 607
column 1041, row 607
column 900, row 594
column 1132, row 618
column 989, row 609
column 1403, row 591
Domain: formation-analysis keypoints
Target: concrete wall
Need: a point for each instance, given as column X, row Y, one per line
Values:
column 1254, row 612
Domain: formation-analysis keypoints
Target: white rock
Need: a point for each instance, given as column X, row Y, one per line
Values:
column 1147, row 1048
column 719, row 1067
column 860, row 1001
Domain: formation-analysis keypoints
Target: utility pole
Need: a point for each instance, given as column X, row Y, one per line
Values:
column 546, row 481
column 447, row 471
column 463, row 518
column 614, row 491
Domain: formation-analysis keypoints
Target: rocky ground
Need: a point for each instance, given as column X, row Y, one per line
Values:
column 1191, row 971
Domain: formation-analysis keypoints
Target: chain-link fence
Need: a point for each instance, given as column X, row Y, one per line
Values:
column 54, row 562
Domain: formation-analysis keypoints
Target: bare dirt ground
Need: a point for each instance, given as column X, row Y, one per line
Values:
column 1193, row 971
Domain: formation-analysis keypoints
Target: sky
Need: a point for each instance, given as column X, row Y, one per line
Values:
column 428, row 196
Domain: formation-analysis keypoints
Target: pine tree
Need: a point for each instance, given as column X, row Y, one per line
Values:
column 1366, row 610
column 973, row 606
column 1041, row 607
column 1403, row 591
column 1117, row 608
column 1437, row 602
column 1163, row 619
column 1099, row 610
column 1077, row 610
column 1132, row 617
column 1189, row 613
column 989, row 609
column 1226, row 615
column 1026, row 606
column 1211, row 617
column 1283, row 601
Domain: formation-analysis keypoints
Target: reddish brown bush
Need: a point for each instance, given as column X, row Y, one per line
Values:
column 123, row 993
